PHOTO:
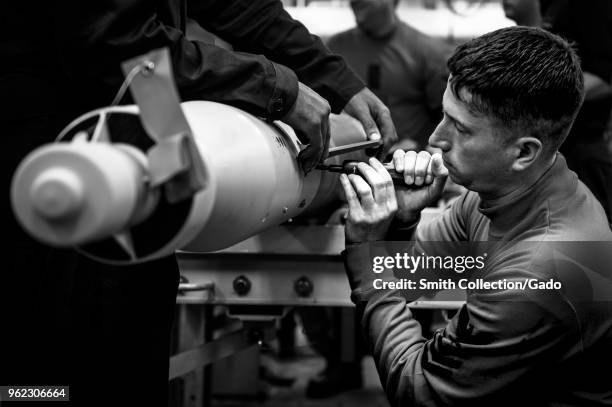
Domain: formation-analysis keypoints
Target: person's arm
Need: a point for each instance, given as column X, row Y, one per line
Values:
column 449, row 226
column 96, row 36
column 264, row 27
column 494, row 350
column 439, row 237
column 380, row 212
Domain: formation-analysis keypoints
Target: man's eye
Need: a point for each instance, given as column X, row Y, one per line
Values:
column 460, row 129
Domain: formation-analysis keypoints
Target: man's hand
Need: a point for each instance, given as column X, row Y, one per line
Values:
column 422, row 169
column 309, row 117
column 374, row 117
column 372, row 204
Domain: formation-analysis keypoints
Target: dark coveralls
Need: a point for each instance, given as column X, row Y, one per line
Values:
column 64, row 319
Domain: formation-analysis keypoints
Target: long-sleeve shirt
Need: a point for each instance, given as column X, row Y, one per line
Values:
column 407, row 70
column 504, row 346
column 68, row 53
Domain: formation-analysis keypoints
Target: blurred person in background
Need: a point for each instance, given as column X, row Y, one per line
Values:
column 401, row 65
column 589, row 26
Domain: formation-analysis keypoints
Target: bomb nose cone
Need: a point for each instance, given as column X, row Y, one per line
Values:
column 57, row 193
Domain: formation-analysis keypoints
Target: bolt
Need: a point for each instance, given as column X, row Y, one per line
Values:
column 303, row 287
column 241, row 285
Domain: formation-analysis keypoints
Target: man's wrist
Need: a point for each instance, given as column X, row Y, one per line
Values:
column 365, row 239
column 403, row 228
column 407, row 218
column 284, row 94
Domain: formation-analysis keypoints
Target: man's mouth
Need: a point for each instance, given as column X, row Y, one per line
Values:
column 446, row 163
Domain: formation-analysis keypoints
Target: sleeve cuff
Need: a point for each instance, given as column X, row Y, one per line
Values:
column 284, row 93
column 357, row 261
column 358, row 264
column 344, row 94
column 402, row 231
column 370, row 279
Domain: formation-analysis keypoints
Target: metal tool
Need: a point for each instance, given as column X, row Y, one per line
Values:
column 362, row 145
column 350, row 167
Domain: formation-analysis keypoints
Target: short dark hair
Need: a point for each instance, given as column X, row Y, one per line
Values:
column 526, row 78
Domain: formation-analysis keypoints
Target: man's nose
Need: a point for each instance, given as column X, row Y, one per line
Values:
column 438, row 139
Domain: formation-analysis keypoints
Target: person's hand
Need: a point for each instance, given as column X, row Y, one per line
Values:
column 372, row 204
column 424, row 170
column 374, row 117
column 309, row 117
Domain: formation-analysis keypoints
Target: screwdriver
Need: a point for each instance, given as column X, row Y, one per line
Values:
column 350, row 167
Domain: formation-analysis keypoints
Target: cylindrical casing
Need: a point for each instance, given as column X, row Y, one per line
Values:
column 254, row 178
column 253, row 174
column 253, row 182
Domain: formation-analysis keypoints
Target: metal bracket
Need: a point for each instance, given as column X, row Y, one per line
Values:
column 175, row 160
column 208, row 353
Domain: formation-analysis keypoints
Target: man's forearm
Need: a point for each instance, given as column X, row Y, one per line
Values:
column 403, row 229
column 264, row 27
column 390, row 332
column 97, row 38
column 396, row 341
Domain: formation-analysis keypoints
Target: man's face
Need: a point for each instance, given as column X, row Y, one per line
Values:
column 520, row 10
column 372, row 16
column 473, row 147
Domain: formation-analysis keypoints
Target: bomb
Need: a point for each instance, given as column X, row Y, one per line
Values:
column 99, row 187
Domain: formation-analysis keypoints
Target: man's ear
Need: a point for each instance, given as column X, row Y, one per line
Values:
column 528, row 150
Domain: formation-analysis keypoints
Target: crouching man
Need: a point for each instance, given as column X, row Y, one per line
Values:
column 511, row 98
